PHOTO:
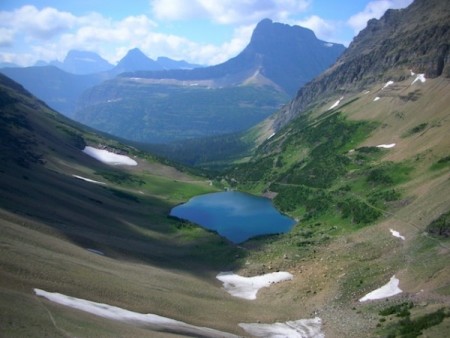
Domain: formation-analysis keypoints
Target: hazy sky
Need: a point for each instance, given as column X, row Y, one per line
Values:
column 198, row 31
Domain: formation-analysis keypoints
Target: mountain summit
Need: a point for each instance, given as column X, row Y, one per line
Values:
column 83, row 62
column 289, row 55
column 280, row 55
column 136, row 60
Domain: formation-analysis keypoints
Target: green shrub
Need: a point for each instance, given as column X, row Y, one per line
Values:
column 358, row 211
column 380, row 176
column 414, row 328
column 441, row 163
column 415, row 130
column 440, row 226
column 401, row 310
column 379, row 197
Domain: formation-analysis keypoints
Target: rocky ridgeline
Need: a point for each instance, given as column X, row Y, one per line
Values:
column 416, row 38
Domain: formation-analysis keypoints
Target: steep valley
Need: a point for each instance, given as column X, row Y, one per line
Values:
column 362, row 166
column 54, row 226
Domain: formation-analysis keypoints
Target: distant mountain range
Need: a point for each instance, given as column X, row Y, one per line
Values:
column 169, row 105
column 150, row 102
column 80, row 70
column 86, row 62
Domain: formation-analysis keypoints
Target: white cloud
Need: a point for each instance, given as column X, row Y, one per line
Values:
column 49, row 34
column 6, row 37
column 40, row 24
column 228, row 11
column 229, row 49
column 374, row 9
column 324, row 29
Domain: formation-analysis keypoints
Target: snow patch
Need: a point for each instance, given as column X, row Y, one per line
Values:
column 97, row 252
column 271, row 135
column 117, row 313
column 328, row 44
column 412, row 73
column 419, row 77
column 388, row 290
column 386, row 146
column 336, row 103
column 248, row 287
column 376, row 98
column 88, row 179
column 366, row 92
column 303, row 328
column 387, row 84
column 108, row 157
column 396, row 234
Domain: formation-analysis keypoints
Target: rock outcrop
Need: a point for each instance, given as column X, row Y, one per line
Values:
column 415, row 38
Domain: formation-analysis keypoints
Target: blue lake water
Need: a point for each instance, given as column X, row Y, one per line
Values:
column 234, row 215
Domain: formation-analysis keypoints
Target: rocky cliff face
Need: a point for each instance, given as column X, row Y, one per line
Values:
column 415, row 38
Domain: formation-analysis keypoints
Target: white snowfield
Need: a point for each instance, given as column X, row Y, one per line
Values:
column 376, row 98
column 386, row 146
column 388, row 290
column 419, row 77
column 396, row 234
column 108, row 157
column 88, row 179
column 155, row 322
column 303, row 328
column 248, row 287
column 387, row 84
column 336, row 103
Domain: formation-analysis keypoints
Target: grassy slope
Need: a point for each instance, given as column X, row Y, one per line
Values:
column 49, row 219
column 337, row 260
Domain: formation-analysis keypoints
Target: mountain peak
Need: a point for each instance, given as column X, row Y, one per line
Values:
column 82, row 62
column 136, row 52
column 135, row 60
column 82, row 54
column 277, row 43
column 268, row 31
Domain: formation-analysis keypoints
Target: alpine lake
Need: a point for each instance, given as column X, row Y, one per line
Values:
column 234, row 215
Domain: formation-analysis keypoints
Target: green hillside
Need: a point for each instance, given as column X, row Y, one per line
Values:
column 158, row 113
column 325, row 169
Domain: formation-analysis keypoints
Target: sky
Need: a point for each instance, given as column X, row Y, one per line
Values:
column 199, row 31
